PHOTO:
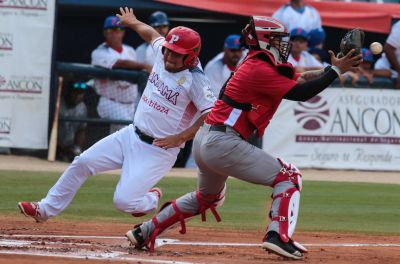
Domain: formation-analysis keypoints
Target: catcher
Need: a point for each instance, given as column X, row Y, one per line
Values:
column 246, row 104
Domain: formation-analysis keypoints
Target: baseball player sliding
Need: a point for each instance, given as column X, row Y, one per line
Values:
column 246, row 104
column 177, row 90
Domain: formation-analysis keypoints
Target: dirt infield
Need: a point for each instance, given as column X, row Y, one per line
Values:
column 57, row 241
column 23, row 241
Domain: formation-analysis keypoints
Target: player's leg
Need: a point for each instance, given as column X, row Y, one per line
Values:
column 143, row 167
column 105, row 155
column 241, row 160
column 210, row 194
column 230, row 155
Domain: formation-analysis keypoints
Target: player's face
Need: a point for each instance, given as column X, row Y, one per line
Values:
column 232, row 56
column 114, row 36
column 299, row 45
column 162, row 30
column 173, row 61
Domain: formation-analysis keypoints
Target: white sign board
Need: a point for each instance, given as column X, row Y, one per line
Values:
column 339, row 129
column 26, row 44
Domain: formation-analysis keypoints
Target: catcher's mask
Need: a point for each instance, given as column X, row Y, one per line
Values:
column 269, row 34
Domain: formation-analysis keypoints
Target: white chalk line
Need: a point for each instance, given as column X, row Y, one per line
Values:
column 165, row 241
column 66, row 236
column 95, row 256
column 124, row 256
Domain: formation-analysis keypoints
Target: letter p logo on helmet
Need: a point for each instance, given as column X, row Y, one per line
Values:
column 174, row 38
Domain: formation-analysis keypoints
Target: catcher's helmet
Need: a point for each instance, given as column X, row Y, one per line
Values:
column 267, row 33
column 184, row 41
column 158, row 18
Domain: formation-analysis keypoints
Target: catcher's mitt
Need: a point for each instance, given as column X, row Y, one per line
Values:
column 354, row 39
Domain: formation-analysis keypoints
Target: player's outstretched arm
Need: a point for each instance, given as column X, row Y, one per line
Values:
column 177, row 140
column 128, row 19
column 316, row 84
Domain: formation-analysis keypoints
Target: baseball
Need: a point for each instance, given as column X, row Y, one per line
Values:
column 376, row 48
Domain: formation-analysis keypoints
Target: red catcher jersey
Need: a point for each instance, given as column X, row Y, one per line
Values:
column 256, row 82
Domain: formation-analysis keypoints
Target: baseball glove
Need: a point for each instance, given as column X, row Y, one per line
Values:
column 354, row 39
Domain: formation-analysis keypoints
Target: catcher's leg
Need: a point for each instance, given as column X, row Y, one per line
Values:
column 210, row 194
column 175, row 212
column 284, row 213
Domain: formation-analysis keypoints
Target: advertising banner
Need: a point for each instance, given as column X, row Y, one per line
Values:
column 339, row 129
column 26, row 43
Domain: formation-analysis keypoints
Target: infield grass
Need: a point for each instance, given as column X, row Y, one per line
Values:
column 325, row 206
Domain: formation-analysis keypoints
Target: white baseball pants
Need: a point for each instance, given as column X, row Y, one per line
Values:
column 143, row 165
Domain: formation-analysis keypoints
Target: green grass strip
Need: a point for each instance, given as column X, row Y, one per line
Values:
column 325, row 206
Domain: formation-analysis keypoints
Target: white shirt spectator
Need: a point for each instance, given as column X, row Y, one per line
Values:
column 218, row 72
column 306, row 60
column 145, row 54
column 118, row 98
column 308, row 19
column 394, row 40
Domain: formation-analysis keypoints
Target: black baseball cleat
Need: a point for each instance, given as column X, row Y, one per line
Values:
column 273, row 243
column 135, row 236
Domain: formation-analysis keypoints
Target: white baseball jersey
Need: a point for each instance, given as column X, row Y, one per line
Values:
column 118, row 97
column 306, row 60
column 217, row 71
column 145, row 54
column 171, row 100
column 308, row 19
column 393, row 40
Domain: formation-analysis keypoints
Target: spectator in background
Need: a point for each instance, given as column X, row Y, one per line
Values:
column 316, row 38
column 363, row 72
column 389, row 64
column 299, row 57
column 118, row 98
column 221, row 66
column 366, row 67
column 296, row 14
column 159, row 21
column 71, row 135
column 320, row 55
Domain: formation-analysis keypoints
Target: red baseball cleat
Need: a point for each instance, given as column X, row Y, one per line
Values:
column 31, row 209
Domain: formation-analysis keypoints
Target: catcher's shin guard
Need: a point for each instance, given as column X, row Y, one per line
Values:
column 180, row 216
column 289, row 204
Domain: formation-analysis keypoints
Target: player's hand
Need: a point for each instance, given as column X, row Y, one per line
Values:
column 127, row 17
column 347, row 62
column 148, row 68
column 169, row 142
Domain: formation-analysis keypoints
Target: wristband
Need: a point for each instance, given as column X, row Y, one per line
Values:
column 336, row 69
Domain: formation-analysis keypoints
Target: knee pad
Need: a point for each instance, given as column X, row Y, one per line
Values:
column 288, row 172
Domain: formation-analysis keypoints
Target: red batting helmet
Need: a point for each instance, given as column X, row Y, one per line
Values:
column 267, row 33
column 184, row 41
